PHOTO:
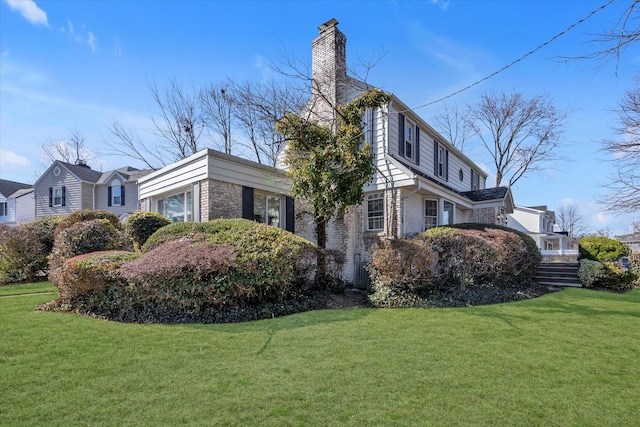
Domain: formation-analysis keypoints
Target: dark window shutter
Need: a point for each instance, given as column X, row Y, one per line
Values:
column 122, row 195
column 446, row 165
column 50, row 197
column 417, row 146
column 109, row 195
column 435, row 158
column 290, row 214
column 472, row 173
column 401, row 134
column 64, row 195
column 247, row 202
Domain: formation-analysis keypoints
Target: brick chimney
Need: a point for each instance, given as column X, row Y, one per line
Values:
column 329, row 68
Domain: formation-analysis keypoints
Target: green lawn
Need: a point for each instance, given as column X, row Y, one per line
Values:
column 568, row 358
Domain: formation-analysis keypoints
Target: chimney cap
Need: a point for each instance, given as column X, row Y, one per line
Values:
column 329, row 24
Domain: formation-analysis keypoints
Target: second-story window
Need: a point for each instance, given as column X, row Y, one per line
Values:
column 440, row 161
column 409, row 139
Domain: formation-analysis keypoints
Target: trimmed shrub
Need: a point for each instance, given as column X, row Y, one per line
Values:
column 270, row 262
column 221, row 271
column 597, row 248
column 86, row 276
column 87, row 215
column 141, row 225
column 82, row 238
column 605, row 275
column 453, row 260
column 24, row 249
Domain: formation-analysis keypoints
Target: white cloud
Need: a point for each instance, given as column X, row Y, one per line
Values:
column 91, row 41
column 442, row 4
column 29, row 11
column 10, row 161
column 83, row 36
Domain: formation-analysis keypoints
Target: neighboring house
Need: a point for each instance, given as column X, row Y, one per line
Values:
column 16, row 202
column 66, row 187
column 632, row 240
column 421, row 181
column 538, row 222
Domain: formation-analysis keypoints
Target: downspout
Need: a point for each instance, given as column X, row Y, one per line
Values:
column 93, row 197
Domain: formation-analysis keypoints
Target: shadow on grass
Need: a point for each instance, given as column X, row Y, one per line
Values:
column 289, row 322
column 566, row 303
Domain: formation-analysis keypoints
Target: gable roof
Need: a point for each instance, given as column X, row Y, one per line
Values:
column 86, row 174
column 7, row 188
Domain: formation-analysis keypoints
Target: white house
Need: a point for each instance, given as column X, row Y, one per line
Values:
column 538, row 222
column 16, row 203
column 421, row 181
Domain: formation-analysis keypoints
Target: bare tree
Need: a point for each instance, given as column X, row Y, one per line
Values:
column 258, row 107
column 624, row 184
column 570, row 220
column 454, row 125
column 217, row 107
column 179, row 120
column 71, row 150
column 126, row 142
column 613, row 43
column 521, row 135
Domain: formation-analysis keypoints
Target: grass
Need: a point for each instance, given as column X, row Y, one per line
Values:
column 568, row 358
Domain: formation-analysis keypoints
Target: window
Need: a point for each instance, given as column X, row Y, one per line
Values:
column 375, row 211
column 409, row 139
column 475, row 180
column 57, row 197
column 116, row 194
column 3, row 209
column 178, row 207
column 440, row 161
column 267, row 209
column 447, row 213
column 430, row 214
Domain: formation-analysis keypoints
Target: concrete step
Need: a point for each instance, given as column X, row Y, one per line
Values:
column 558, row 274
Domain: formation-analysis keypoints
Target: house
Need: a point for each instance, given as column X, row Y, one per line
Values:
column 422, row 180
column 16, row 203
column 66, row 187
column 211, row 184
column 538, row 222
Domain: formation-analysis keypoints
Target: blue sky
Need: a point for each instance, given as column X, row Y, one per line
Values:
column 70, row 66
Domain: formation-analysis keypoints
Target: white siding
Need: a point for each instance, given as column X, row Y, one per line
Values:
column 213, row 165
column 74, row 196
column 174, row 177
column 25, row 207
column 9, row 216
